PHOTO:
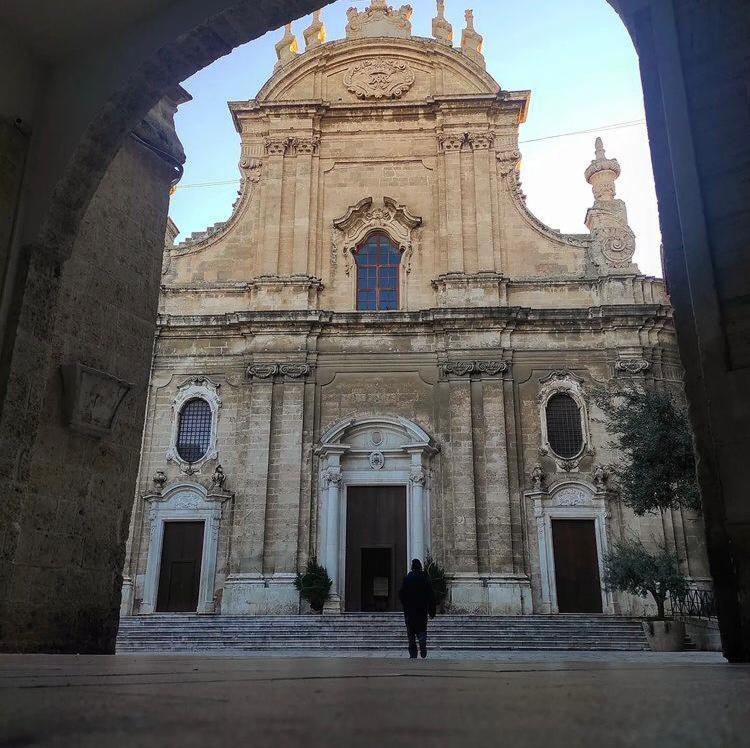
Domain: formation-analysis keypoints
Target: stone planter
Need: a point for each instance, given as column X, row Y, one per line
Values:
column 665, row 636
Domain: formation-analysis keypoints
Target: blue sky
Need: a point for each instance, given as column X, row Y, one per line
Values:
column 574, row 55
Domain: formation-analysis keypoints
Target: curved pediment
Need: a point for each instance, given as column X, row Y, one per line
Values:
column 377, row 69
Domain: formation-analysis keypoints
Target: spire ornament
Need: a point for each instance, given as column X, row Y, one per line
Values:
column 442, row 31
column 286, row 47
column 612, row 239
column 315, row 33
column 471, row 41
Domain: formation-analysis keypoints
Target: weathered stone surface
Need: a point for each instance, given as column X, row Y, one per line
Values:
column 496, row 312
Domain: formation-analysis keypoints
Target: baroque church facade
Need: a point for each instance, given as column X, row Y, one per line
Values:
column 383, row 354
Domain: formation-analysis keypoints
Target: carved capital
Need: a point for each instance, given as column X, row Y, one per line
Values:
column 480, row 141
column 294, row 371
column 451, row 142
column 276, row 146
column 261, row 371
column 331, row 476
column 632, row 366
column 457, row 368
column 307, row 146
column 492, row 368
column 418, row 476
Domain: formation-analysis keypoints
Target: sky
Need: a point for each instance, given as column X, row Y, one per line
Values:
column 575, row 57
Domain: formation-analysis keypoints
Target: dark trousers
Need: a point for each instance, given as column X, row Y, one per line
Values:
column 416, row 633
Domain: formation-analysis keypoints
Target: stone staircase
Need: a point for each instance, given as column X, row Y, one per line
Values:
column 183, row 632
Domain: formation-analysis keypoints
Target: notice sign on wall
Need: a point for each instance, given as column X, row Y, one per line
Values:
column 380, row 587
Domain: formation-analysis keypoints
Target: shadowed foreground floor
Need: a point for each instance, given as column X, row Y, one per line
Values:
column 547, row 700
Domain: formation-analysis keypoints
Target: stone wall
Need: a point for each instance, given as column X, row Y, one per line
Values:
column 68, row 518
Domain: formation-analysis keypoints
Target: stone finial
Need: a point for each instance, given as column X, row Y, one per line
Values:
column 315, row 33
column 442, row 31
column 471, row 41
column 379, row 19
column 612, row 239
column 602, row 173
column 286, row 47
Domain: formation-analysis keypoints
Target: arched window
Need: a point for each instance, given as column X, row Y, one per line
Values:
column 378, row 260
column 564, row 432
column 194, row 431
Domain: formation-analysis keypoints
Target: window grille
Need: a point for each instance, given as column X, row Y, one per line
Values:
column 378, row 260
column 194, row 432
column 564, row 432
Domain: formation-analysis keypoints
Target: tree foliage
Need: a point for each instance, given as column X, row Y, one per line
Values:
column 438, row 579
column 652, row 432
column 631, row 567
column 314, row 585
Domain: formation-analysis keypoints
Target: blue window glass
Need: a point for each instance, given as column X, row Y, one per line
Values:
column 378, row 260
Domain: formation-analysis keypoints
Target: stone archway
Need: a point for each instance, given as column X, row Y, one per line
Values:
column 684, row 135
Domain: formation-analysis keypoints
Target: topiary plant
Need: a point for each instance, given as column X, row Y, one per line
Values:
column 631, row 567
column 438, row 579
column 314, row 585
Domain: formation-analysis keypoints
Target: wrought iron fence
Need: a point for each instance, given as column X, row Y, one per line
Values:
column 696, row 603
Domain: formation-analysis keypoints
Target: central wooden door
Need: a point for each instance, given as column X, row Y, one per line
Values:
column 576, row 566
column 375, row 547
column 180, row 573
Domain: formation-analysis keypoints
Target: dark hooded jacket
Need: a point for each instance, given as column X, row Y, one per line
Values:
column 418, row 599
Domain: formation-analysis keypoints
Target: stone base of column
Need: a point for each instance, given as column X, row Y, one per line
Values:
column 126, row 601
column 332, row 606
column 492, row 594
column 259, row 594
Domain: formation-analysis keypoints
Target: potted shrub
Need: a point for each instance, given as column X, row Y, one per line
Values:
column 438, row 579
column 631, row 567
column 314, row 585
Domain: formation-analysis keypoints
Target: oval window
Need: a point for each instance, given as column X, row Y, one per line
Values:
column 194, row 432
column 564, row 432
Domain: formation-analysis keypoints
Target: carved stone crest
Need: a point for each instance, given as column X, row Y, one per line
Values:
column 376, row 460
column 91, row 398
column 570, row 497
column 379, row 79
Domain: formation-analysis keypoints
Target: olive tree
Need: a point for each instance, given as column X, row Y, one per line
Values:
column 631, row 567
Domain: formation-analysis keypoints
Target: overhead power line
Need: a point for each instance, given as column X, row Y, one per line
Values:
column 604, row 128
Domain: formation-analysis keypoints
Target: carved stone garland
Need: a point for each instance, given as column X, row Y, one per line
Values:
column 352, row 229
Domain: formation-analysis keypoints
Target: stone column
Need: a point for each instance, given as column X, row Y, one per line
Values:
column 331, row 528
column 481, row 144
column 499, row 540
column 248, row 530
column 451, row 145
column 417, row 520
column 302, row 215
column 272, row 183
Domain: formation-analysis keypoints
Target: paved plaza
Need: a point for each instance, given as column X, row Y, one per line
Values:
column 504, row 699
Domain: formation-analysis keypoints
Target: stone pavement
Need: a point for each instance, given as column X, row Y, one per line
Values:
column 511, row 699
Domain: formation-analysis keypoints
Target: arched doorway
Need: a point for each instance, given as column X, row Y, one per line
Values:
column 375, row 508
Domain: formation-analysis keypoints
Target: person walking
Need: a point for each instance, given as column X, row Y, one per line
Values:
column 418, row 600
